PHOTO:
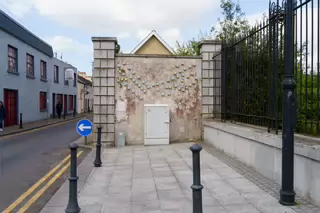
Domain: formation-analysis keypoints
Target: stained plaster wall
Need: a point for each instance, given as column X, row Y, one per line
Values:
column 186, row 109
column 143, row 79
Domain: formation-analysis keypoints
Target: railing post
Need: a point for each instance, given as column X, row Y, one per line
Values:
column 224, row 81
column 196, row 186
column 289, row 111
column 73, row 206
column 97, row 161
column 20, row 121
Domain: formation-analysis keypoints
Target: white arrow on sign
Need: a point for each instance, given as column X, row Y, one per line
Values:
column 82, row 127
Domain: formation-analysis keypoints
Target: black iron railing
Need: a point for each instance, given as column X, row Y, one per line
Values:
column 253, row 70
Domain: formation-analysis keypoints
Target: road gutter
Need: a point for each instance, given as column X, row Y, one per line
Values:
column 40, row 126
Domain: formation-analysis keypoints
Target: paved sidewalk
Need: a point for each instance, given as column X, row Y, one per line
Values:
column 157, row 179
column 37, row 124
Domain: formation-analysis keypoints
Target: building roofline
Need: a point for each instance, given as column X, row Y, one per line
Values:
column 12, row 27
column 85, row 81
column 155, row 34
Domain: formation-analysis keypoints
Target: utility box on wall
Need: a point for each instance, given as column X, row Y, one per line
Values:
column 156, row 124
column 121, row 139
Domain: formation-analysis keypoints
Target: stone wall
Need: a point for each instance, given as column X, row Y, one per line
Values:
column 175, row 81
column 116, row 108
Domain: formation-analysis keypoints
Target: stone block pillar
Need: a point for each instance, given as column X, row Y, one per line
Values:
column 104, row 88
column 211, row 79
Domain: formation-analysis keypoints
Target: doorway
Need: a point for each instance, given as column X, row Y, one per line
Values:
column 53, row 105
column 11, row 104
column 65, row 104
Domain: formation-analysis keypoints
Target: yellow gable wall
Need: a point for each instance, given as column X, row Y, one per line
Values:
column 153, row 46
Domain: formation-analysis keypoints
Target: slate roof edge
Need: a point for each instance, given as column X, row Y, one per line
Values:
column 9, row 25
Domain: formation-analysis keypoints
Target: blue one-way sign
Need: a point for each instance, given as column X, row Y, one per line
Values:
column 84, row 127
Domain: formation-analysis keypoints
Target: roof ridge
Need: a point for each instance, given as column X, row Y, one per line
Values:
column 145, row 39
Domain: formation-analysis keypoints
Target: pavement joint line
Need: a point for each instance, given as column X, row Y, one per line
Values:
column 37, row 184
column 35, row 197
column 37, row 128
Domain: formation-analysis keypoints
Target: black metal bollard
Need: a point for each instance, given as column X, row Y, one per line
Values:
column 73, row 206
column 97, row 161
column 196, row 186
column 88, row 109
column 74, row 112
column 20, row 121
column 64, row 114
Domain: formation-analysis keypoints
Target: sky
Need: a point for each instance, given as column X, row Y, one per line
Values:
column 68, row 25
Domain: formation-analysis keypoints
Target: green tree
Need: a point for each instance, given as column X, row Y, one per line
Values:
column 233, row 23
column 118, row 47
column 192, row 47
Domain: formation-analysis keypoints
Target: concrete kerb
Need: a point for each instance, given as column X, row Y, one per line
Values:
column 40, row 126
column 81, row 144
column 59, row 200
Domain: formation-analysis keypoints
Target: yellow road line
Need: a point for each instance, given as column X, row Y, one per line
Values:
column 35, row 186
column 43, row 189
column 38, row 129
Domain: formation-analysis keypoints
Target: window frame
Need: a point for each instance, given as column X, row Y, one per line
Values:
column 43, row 70
column 12, row 54
column 55, row 74
column 70, row 100
column 74, row 79
column 43, row 101
column 66, row 83
column 29, row 56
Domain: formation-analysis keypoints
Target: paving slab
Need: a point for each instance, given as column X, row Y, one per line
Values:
column 157, row 179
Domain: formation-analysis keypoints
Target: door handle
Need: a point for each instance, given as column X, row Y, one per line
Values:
column 167, row 122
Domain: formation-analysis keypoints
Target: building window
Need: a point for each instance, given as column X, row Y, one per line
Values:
column 56, row 74
column 66, row 82
column 43, row 101
column 70, row 102
column 30, row 65
column 12, row 59
column 43, row 70
column 74, row 79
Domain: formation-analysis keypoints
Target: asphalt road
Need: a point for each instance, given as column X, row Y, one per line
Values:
column 27, row 158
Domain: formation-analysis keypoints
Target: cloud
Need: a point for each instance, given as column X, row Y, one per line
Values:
column 171, row 36
column 255, row 18
column 123, row 35
column 18, row 7
column 62, row 44
column 142, row 33
column 116, row 16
